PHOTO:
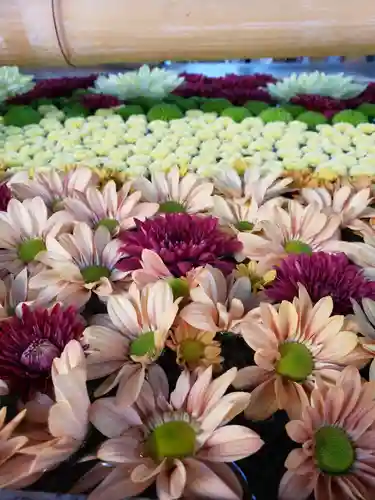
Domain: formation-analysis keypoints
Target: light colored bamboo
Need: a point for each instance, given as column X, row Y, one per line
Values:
column 116, row 31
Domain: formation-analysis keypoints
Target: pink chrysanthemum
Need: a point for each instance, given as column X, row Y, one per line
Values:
column 336, row 431
column 24, row 228
column 180, row 440
column 29, row 344
column 53, row 186
column 116, row 210
column 175, row 193
column 351, row 205
column 79, row 264
column 182, row 241
column 296, row 230
column 323, row 275
column 293, row 344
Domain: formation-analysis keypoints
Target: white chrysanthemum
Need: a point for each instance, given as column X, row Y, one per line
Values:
column 12, row 82
column 154, row 83
column 337, row 85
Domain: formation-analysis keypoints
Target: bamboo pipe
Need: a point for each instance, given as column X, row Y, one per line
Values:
column 119, row 31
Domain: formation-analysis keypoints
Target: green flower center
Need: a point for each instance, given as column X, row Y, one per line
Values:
column 296, row 362
column 297, row 247
column 91, row 274
column 334, row 451
column 143, row 345
column 171, row 440
column 171, row 207
column 180, row 287
column 243, row 225
column 28, row 250
column 191, row 350
column 110, row 224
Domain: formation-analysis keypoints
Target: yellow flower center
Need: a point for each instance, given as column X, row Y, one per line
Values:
column 180, row 287
column 296, row 362
column 28, row 250
column 191, row 350
column 91, row 274
column 244, row 225
column 297, row 247
column 143, row 345
column 171, row 207
column 174, row 439
column 334, row 451
column 110, row 224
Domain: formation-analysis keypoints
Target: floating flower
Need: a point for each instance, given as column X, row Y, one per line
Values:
column 24, row 228
column 182, row 241
column 293, row 345
column 13, row 83
column 352, row 206
column 115, row 210
column 62, row 419
column 30, row 343
column 323, row 275
column 336, row 434
column 78, row 265
column 339, row 86
column 174, row 194
column 293, row 231
column 219, row 304
column 5, row 196
column 178, row 440
column 53, row 186
column 154, row 83
column 127, row 341
column 195, row 348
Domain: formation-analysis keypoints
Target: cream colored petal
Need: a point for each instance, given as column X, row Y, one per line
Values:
column 250, row 376
column 230, row 443
column 202, row 481
column 126, row 449
column 117, row 486
column 130, row 385
column 111, row 420
column 199, row 316
column 263, row 402
column 178, row 396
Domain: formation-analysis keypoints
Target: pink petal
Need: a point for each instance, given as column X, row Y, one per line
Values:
column 130, row 385
column 296, row 487
column 126, row 449
column 263, row 402
column 250, row 376
column 230, row 443
column 203, row 482
column 110, row 419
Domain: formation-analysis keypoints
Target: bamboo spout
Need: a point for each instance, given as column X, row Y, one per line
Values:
column 119, row 31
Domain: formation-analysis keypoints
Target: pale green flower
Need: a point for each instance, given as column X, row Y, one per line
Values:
column 154, row 83
column 13, row 83
column 339, row 86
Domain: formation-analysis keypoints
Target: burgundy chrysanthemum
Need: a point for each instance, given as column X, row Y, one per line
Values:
column 99, row 101
column 318, row 103
column 29, row 344
column 50, row 88
column 323, row 275
column 183, row 241
column 236, row 88
column 5, row 196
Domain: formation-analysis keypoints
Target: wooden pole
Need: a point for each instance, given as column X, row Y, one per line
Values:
column 119, row 31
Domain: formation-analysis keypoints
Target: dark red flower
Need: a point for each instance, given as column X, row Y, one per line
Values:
column 318, row 103
column 99, row 101
column 322, row 275
column 29, row 344
column 50, row 88
column 5, row 196
column 183, row 242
